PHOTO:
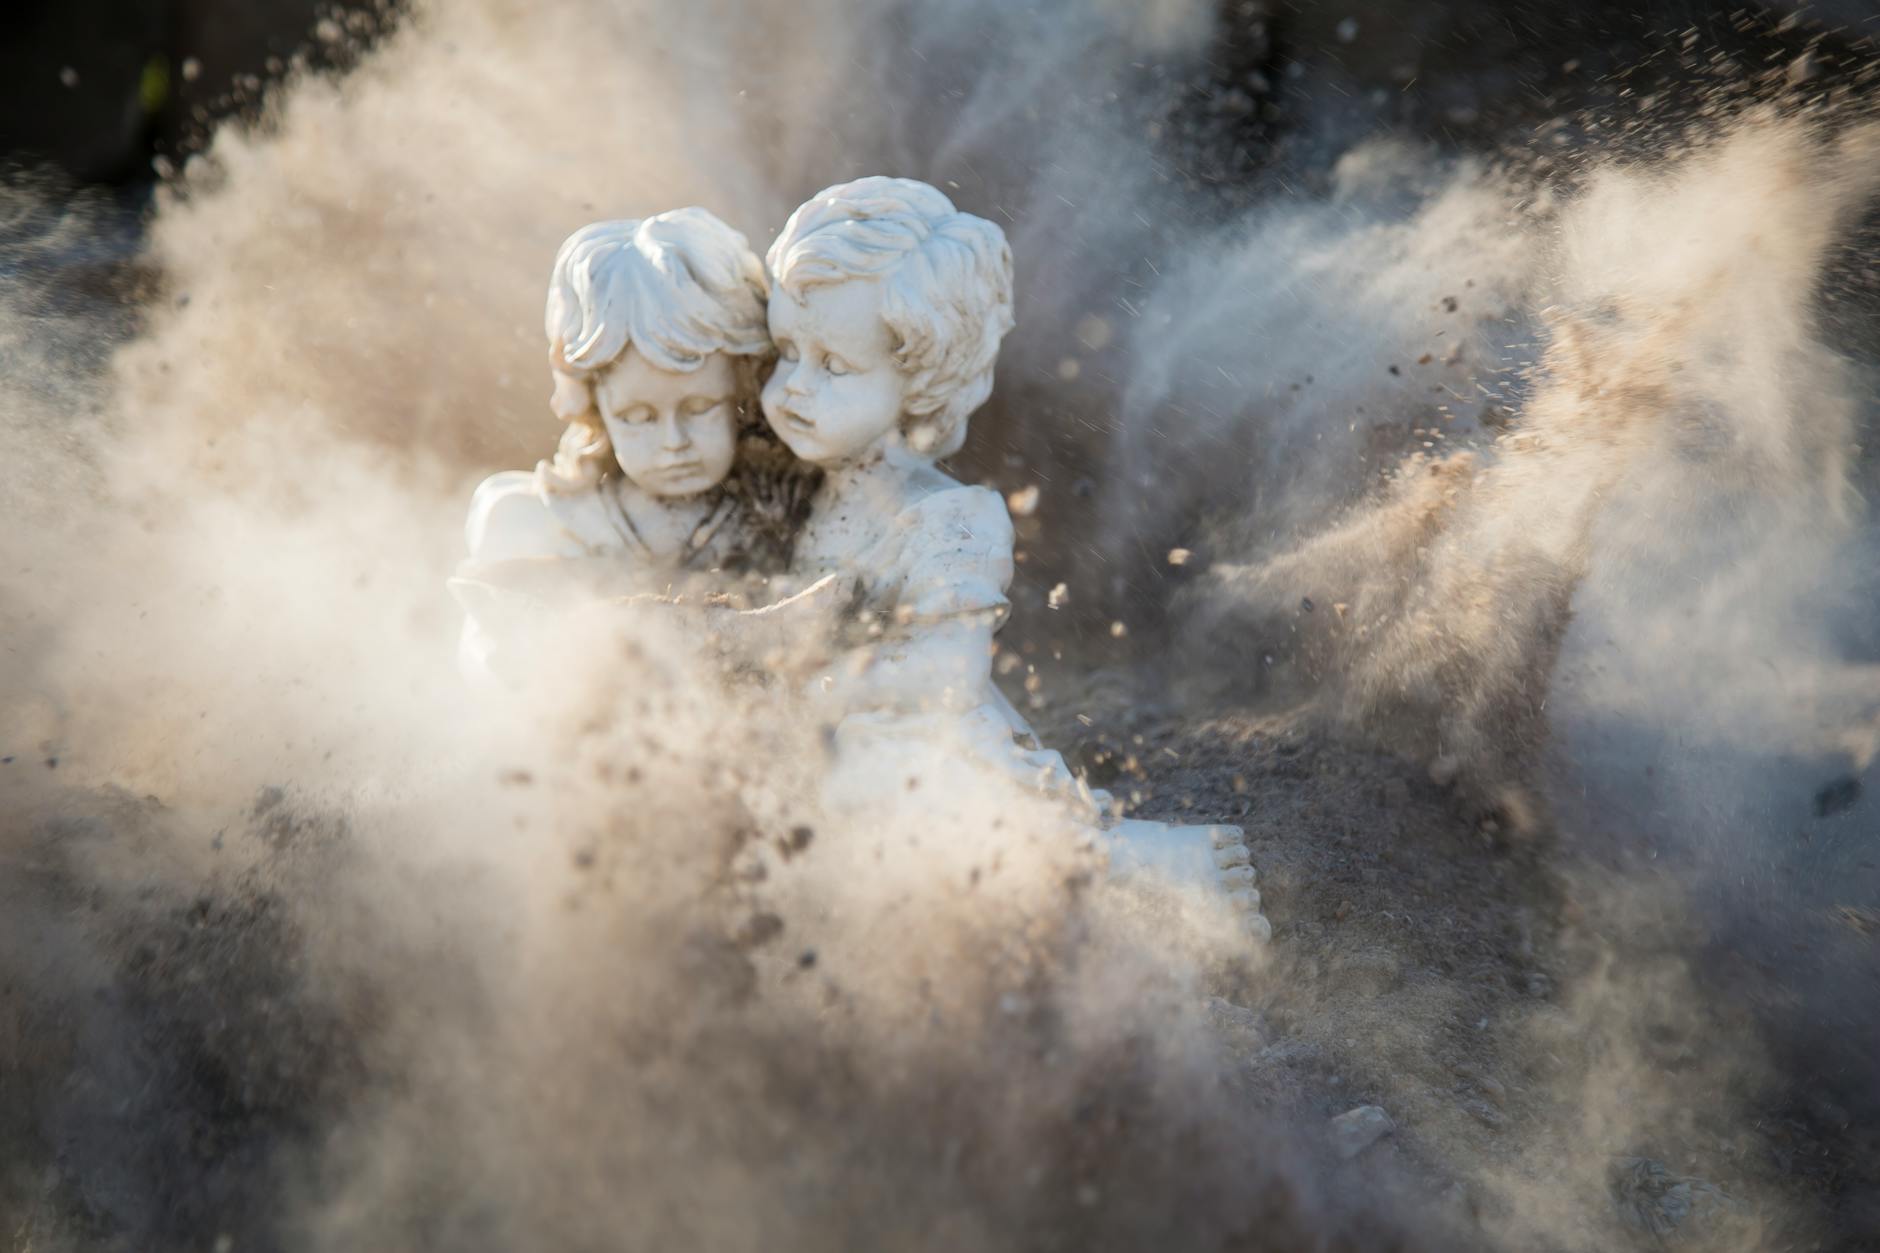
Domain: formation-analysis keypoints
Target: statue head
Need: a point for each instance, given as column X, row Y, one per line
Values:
column 887, row 312
column 657, row 337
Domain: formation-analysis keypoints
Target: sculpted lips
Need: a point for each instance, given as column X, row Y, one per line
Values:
column 795, row 421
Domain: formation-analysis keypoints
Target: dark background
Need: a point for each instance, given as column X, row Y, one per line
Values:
column 98, row 89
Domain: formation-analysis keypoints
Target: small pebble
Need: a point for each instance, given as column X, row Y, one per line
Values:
column 1486, row 1114
column 759, row 929
column 1358, row 1129
column 1837, row 796
column 1238, row 1024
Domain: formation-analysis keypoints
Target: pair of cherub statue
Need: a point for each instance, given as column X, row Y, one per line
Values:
column 726, row 416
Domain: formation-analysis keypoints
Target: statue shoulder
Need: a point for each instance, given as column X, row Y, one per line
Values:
column 513, row 515
column 955, row 511
column 958, row 553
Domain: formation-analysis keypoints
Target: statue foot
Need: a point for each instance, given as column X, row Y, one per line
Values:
column 1214, row 858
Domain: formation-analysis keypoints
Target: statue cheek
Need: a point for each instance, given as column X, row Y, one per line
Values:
column 772, row 395
column 631, row 444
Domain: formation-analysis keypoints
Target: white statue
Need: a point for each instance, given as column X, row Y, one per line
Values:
column 887, row 309
column 657, row 342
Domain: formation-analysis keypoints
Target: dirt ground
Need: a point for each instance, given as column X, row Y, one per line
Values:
column 1556, row 1069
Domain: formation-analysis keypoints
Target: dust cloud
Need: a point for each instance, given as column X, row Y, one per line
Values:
column 306, row 948
column 1627, row 616
column 1665, row 411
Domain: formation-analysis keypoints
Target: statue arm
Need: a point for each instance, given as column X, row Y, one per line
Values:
column 511, row 520
column 518, row 559
column 938, row 665
column 796, row 629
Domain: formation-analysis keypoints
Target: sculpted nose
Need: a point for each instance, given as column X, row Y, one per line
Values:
column 673, row 435
column 794, row 382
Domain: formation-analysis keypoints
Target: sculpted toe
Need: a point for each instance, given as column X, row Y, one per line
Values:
column 1236, row 875
column 1233, row 855
column 1226, row 836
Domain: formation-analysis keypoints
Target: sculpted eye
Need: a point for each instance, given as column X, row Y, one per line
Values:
column 637, row 415
column 696, row 405
column 836, row 365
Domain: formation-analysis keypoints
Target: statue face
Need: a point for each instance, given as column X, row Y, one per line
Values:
column 673, row 434
column 836, row 395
